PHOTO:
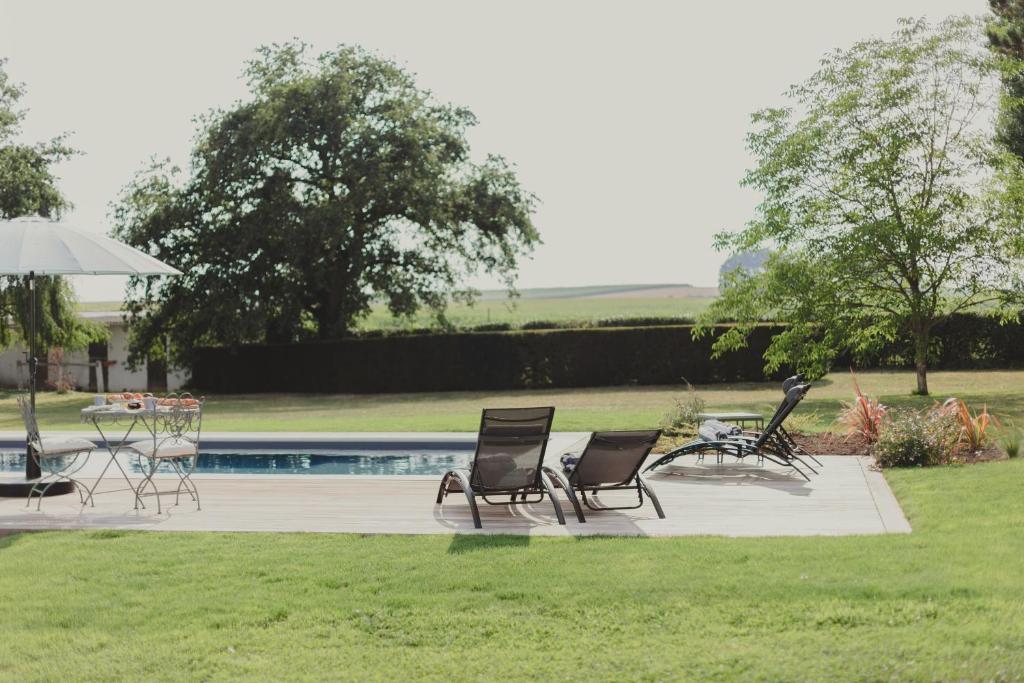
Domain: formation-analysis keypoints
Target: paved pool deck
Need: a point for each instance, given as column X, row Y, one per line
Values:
column 733, row 499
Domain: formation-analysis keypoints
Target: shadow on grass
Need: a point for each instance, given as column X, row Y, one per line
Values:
column 9, row 538
column 464, row 543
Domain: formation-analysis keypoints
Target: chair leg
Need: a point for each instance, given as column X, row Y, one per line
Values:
column 551, row 494
column 801, row 461
column 466, row 489
column 569, row 492
column 442, row 491
column 186, row 481
column 32, row 492
column 41, row 486
column 147, row 479
column 650, row 494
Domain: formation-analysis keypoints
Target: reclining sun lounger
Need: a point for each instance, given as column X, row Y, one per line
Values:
column 784, row 435
column 611, row 461
column 509, row 461
column 722, row 439
column 782, row 439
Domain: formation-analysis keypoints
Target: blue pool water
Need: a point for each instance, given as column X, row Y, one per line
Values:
column 273, row 462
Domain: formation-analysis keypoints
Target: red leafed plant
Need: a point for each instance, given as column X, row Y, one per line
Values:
column 973, row 426
column 864, row 417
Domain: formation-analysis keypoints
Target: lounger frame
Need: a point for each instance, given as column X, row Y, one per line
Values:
column 633, row 482
column 540, row 486
column 767, row 445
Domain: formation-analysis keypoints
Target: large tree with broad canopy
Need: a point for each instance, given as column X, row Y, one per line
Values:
column 339, row 182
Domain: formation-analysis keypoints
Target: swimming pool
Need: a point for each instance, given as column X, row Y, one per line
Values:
column 257, row 461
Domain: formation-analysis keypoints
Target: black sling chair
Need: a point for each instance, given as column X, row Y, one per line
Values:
column 782, row 438
column 611, row 461
column 787, row 439
column 509, row 461
column 767, row 445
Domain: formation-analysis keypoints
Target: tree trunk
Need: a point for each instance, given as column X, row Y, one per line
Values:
column 921, row 361
column 331, row 321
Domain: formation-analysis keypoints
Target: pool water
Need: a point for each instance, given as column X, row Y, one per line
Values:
column 273, row 462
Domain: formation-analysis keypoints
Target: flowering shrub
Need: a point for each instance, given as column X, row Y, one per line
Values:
column 864, row 417
column 917, row 439
column 973, row 426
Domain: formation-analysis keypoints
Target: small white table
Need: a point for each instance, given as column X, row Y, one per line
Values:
column 739, row 418
column 120, row 416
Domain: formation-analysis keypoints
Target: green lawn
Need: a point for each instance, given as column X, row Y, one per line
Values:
column 943, row 603
column 577, row 409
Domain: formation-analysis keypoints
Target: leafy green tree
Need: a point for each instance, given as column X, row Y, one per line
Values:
column 1006, row 37
column 29, row 187
column 887, row 204
column 338, row 183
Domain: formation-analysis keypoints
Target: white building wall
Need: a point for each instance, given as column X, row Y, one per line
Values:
column 14, row 371
column 120, row 378
column 11, row 375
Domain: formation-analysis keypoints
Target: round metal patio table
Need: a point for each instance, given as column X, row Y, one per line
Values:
column 115, row 418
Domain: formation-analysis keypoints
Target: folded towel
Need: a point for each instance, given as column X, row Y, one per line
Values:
column 716, row 430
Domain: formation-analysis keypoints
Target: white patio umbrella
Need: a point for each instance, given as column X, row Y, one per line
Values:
column 34, row 246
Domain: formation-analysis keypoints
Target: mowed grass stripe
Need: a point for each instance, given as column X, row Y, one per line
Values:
column 945, row 602
column 576, row 409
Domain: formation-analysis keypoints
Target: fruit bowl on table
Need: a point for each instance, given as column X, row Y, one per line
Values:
column 127, row 399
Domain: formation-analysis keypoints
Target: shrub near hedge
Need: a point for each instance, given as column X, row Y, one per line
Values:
column 481, row 361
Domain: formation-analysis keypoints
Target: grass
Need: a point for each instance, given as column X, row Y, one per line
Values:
column 943, row 603
column 577, row 409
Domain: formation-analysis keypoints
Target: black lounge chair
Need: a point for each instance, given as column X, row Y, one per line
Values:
column 509, row 461
column 784, row 435
column 781, row 439
column 722, row 439
column 611, row 461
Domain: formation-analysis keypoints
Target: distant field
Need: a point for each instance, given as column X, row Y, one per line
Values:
column 563, row 304
column 99, row 306
column 553, row 304
column 521, row 311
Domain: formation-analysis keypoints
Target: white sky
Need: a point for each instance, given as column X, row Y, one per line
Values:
column 627, row 119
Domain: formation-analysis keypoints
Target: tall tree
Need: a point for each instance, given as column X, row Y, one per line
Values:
column 883, row 195
column 28, row 187
column 338, row 182
column 1006, row 37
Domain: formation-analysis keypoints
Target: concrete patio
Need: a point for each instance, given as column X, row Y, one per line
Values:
column 734, row 499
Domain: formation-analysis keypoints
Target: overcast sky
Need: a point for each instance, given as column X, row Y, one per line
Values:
column 626, row 119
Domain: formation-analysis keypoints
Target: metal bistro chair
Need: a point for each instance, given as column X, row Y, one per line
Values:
column 60, row 456
column 175, row 429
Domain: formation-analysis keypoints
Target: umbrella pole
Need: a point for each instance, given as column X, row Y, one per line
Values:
column 32, row 470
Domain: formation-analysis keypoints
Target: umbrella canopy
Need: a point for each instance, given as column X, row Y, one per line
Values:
column 45, row 247
column 38, row 246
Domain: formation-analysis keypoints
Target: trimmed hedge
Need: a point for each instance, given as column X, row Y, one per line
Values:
column 479, row 361
column 968, row 341
column 610, row 356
